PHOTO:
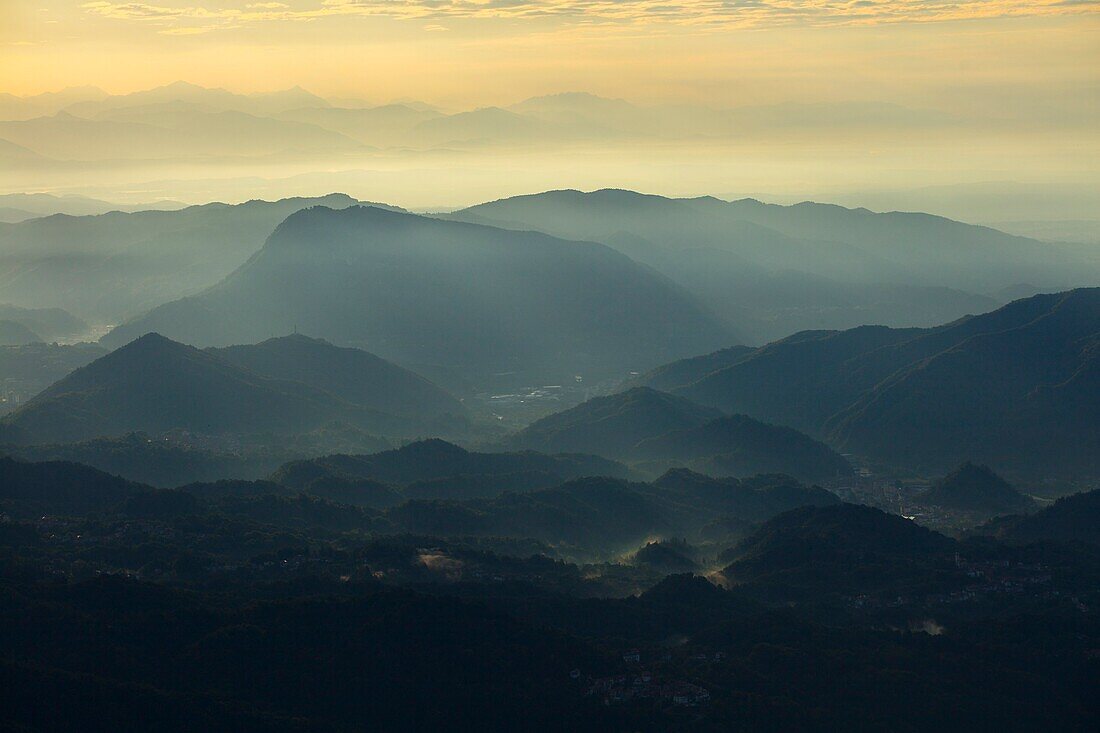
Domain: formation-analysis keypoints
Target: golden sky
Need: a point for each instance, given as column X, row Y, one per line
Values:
column 990, row 57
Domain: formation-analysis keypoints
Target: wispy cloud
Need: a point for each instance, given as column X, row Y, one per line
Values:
column 703, row 14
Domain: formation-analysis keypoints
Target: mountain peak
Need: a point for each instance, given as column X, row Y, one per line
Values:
column 973, row 487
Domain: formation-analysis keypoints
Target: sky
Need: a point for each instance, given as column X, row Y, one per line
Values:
column 1027, row 70
column 984, row 56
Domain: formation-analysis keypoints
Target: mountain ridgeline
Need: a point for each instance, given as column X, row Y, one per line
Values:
column 657, row 431
column 155, row 385
column 449, row 296
column 116, row 265
column 1016, row 388
column 772, row 270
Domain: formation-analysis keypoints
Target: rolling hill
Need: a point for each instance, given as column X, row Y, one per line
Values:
column 589, row 517
column 433, row 294
column 59, row 487
column 155, row 385
column 836, row 548
column 430, row 468
column 738, row 445
column 1073, row 518
column 353, row 375
column 976, row 489
column 612, row 426
column 656, row 430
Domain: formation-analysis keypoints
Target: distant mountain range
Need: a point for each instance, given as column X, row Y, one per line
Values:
column 49, row 324
column 17, row 207
column 761, row 271
column 1015, row 389
column 444, row 296
column 14, row 333
column 116, row 265
column 185, row 119
column 772, row 270
column 154, row 385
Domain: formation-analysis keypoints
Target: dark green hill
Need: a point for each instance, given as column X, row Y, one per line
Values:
column 612, row 425
column 436, row 460
column 668, row 557
column 738, row 445
column 685, row 371
column 751, row 499
column 474, row 300
column 353, row 375
column 1017, row 387
column 596, row 516
column 836, row 548
column 154, row 385
column 58, row 487
column 976, row 489
column 1073, row 518
column 1024, row 395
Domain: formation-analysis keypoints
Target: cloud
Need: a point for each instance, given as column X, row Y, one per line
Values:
column 702, row 14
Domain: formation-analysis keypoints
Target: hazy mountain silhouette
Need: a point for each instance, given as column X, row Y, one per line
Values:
column 386, row 125
column 27, row 370
column 422, row 292
column 976, row 488
column 33, row 205
column 21, row 108
column 51, row 324
column 685, row 371
column 217, row 99
column 116, row 265
column 1014, row 388
column 14, row 333
column 778, row 269
column 613, row 425
column 154, row 385
column 18, row 156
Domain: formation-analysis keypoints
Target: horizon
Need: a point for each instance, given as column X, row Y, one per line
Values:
column 982, row 112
